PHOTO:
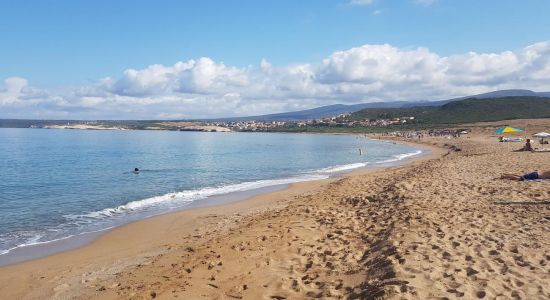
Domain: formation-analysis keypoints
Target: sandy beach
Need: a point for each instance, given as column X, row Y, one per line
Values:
column 441, row 227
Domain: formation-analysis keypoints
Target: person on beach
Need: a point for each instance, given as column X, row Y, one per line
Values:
column 528, row 176
column 527, row 146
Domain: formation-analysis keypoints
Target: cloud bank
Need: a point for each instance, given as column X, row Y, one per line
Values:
column 206, row 88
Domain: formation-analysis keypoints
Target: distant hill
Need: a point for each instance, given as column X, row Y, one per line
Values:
column 336, row 109
column 467, row 110
column 495, row 94
column 315, row 113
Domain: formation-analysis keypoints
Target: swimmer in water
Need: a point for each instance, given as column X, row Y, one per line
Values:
column 136, row 171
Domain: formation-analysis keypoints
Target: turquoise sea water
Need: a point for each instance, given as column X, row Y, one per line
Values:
column 55, row 184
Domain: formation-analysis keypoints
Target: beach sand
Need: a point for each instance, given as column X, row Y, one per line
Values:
column 441, row 227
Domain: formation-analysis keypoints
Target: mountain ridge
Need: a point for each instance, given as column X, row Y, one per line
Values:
column 336, row 109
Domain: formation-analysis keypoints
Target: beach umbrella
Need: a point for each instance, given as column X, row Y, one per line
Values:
column 542, row 136
column 508, row 129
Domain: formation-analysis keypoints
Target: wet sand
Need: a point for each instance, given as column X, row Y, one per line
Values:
column 441, row 227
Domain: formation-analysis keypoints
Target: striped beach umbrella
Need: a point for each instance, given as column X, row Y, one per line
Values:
column 508, row 129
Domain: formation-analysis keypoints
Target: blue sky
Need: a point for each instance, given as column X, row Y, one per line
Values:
column 55, row 46
column 68, row 42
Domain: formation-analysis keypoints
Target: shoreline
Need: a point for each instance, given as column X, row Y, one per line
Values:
column 136, row 242
column 29, row 253
column 440, row 226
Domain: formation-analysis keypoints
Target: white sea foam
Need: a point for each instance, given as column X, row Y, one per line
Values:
column 185, row 197
column 399, row 157
column 34, row 241
column 342, row 168
column 169, row 200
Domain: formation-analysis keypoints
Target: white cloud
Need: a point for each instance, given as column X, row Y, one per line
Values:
column 379, row 63
column 13, row 89
column 206, row 88
column 202, row 76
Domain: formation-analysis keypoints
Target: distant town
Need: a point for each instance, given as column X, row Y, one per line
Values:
column 339, row 121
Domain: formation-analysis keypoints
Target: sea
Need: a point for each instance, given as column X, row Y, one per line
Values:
column 60, row 184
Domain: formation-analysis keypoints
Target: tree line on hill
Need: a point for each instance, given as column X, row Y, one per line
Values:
column 465, row 111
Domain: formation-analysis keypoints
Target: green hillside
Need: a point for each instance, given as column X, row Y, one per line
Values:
column 466, row 111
